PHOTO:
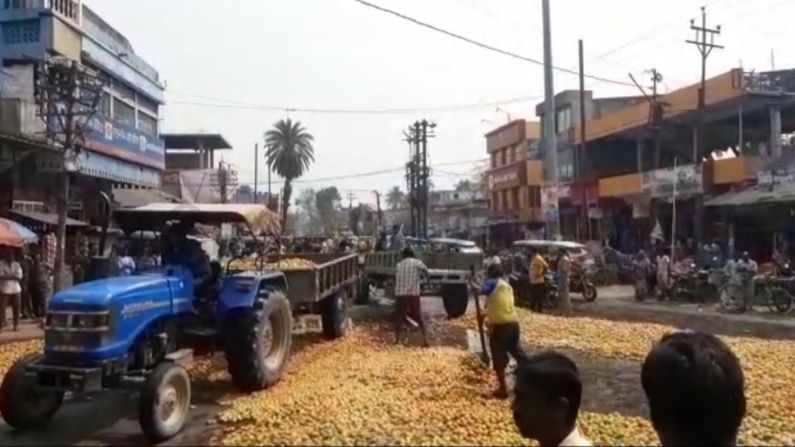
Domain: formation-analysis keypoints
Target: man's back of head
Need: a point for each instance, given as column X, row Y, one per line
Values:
column 695, row 387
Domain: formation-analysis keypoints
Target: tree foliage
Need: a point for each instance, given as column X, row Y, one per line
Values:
column 289, row 152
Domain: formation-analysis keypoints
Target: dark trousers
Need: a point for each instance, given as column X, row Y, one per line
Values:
column 504, row 340
column 15, row 301
column 537, row 294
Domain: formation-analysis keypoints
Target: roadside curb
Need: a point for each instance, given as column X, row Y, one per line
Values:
column 709, row 320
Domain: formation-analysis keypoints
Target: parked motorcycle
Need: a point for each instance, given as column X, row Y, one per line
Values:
column 694, row 286
column 581, row 283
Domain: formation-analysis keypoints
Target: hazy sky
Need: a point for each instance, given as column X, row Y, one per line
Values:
column 339, row 54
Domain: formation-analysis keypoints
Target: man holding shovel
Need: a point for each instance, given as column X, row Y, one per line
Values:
column 502, row 324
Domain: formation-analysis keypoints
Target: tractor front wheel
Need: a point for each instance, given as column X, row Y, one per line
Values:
column 165, row 402
column 23, row 405
column 258, row 341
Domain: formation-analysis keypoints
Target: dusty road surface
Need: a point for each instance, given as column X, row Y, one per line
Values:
column 365, row 389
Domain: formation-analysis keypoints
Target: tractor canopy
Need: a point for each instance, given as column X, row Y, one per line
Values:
column 259, row 219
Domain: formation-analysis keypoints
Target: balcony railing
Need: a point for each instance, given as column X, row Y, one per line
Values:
column 70, row 9
column 771, row 82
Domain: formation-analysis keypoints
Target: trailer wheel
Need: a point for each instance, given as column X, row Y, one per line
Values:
column 455, row 298
column 23, row 405
column 258, row 341
column 363, row 291
column 334, row 315
column 165, row 402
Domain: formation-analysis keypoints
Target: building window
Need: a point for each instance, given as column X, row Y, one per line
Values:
column 123, row 113
column 104, row 105
column 565, row 172
column 563, row 120
column 515, row 198
column 493, row 159
column 27, row 31
column 123, row 91
column 147, row 124
column 147, row 105
column 504, row 156
column 495, row 201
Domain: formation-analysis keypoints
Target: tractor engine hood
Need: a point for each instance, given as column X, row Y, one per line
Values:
column 101, row 294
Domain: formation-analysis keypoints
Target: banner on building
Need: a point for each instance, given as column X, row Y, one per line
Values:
column 549, row 203
column 660, row 183
column 125, row 142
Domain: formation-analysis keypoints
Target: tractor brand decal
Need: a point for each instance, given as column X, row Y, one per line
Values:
column 136, row 308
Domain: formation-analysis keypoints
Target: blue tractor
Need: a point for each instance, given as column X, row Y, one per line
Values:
column 140, row 331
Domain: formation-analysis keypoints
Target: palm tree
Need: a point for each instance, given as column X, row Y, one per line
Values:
column 395, row 198
column 289, row 153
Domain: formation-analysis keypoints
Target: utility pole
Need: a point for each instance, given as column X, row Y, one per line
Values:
column 222, row 181
column 705, row 42
column 380, row 214
column 579, row 153
column 550, row 143
column 256, row 171
column 67, row 94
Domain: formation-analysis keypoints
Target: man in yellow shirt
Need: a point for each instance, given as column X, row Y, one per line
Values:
column 502, row 323
column 538, row 285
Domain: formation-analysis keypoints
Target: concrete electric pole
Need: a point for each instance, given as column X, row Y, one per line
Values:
column 68, row 96
column 550, row 143
column 705, row 42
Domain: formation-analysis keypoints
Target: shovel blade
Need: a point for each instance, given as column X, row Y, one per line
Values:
column 476, row 347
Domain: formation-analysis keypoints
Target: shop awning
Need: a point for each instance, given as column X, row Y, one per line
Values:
column 133, row 198
column 47, row 218
column 756, row 195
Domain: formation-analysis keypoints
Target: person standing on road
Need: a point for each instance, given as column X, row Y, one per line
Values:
column 548, row 393
column 407, row 294
column 746, row 269
column 538, row 286
column 663, row 274
column 10, row 285
column 564, row 271
column 503, row 325
column 696, row 390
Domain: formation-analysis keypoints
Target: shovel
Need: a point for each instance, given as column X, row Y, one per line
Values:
column 479, row 351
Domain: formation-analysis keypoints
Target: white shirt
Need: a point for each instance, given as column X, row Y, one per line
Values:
column 407, row 278
column 575, row 439
column 10, row 286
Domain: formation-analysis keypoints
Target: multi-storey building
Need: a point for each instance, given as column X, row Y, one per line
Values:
column 515, row 180
column 122, row 147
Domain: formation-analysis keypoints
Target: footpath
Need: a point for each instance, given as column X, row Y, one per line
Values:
column 618, row 303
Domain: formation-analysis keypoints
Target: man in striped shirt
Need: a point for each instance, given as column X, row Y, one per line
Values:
column 407, row 293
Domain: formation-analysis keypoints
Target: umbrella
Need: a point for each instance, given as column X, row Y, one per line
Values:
column 15, row 235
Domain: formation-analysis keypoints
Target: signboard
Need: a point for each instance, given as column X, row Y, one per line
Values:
column 549, row 203
column 125, row 142
column 508, row 177
column 660, row 183
column 508, row 135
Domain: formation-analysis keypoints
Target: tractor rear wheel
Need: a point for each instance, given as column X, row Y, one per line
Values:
column 165, row 402
column 23, row 405
column 455, row 298
column 258, row 341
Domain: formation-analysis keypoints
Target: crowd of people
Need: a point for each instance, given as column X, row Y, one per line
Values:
column 693, row 382
column 657, row 277
column 26, row 280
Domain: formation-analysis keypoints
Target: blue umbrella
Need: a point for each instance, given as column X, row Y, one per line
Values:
column 28, row 236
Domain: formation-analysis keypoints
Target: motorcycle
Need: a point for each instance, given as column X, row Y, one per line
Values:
column 581, row 283
column 552, row 298
column 694, row 285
